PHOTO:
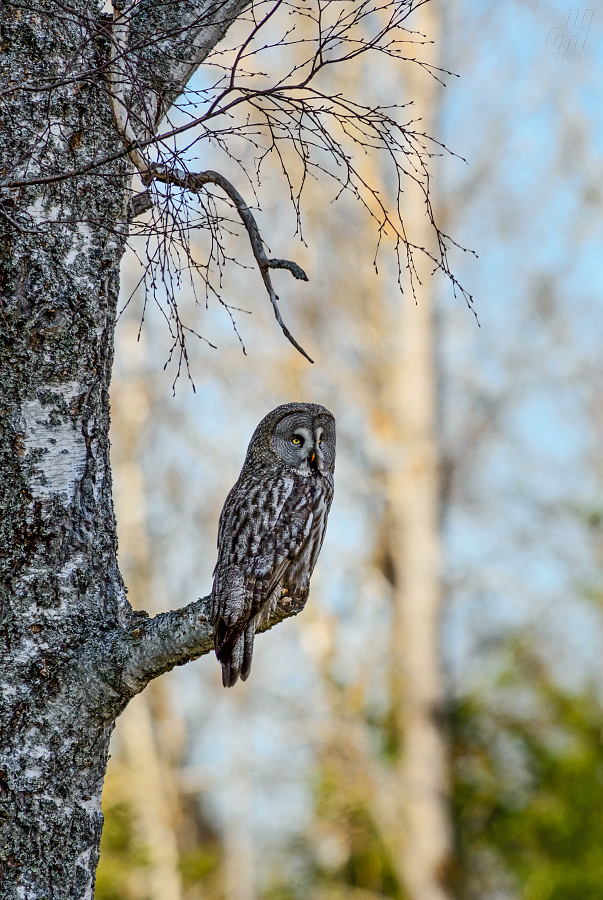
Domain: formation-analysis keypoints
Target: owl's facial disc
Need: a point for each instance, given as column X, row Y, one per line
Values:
column 305, row 443
column 293, row 442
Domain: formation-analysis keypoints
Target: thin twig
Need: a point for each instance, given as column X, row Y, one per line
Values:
column 189, row 181
column 194, row 182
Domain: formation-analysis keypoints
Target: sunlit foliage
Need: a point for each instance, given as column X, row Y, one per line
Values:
column 528, row 786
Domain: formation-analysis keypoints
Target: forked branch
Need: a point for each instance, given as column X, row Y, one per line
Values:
column 194, row 182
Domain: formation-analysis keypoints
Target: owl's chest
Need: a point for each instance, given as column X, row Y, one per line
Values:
column 310, row 494
column 314, row 501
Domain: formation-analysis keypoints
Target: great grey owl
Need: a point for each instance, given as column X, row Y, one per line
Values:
column 271, row 528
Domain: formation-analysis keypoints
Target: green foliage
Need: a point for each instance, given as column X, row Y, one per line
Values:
column 386, row 730
column 281, row 891
column 364, row 861
column 528, row 787
column 125, row 869
column 199, row 862
column 121, row 857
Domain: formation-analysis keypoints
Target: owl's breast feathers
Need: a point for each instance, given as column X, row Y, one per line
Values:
column 270, row 534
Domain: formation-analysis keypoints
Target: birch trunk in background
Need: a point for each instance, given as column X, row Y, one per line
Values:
column 151, row 782
column 238, row 838
column 414, row 496
column 396, row 379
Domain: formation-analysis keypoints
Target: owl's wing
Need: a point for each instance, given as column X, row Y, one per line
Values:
column 300, row 571
column 264, row 524
column 260, row 526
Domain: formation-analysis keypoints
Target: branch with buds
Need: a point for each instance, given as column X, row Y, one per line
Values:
column 193, row 182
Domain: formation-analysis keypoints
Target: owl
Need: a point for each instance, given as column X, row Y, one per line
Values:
column 271, row 528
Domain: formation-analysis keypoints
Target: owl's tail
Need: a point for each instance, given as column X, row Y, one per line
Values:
column 235, row 653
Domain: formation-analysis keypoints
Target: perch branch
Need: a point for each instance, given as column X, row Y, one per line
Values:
column 148, row 647
column 187, row 180
column 154, row 646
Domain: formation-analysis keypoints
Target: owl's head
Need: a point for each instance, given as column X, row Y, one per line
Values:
column 300, row 435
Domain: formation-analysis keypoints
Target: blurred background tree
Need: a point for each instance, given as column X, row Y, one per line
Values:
column 386, row 746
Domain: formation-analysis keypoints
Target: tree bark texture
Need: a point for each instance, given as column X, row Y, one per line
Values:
column 72, row 652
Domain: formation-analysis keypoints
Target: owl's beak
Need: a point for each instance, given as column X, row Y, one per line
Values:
column 313, row 457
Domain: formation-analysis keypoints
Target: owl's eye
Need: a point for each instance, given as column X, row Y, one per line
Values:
column 296, row 439
column 320, row 440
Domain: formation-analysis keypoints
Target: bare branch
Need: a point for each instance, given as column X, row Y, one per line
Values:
column 153, row 646
column 193, row 182
column 186, row 180
column 149, row 647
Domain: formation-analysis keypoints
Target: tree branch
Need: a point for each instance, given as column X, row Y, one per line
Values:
column 187, row 180
column 154, row 646
column 194, row 182
column 146, row 648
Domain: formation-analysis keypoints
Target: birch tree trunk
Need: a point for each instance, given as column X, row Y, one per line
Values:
column 414, row 497
column 62, row 593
